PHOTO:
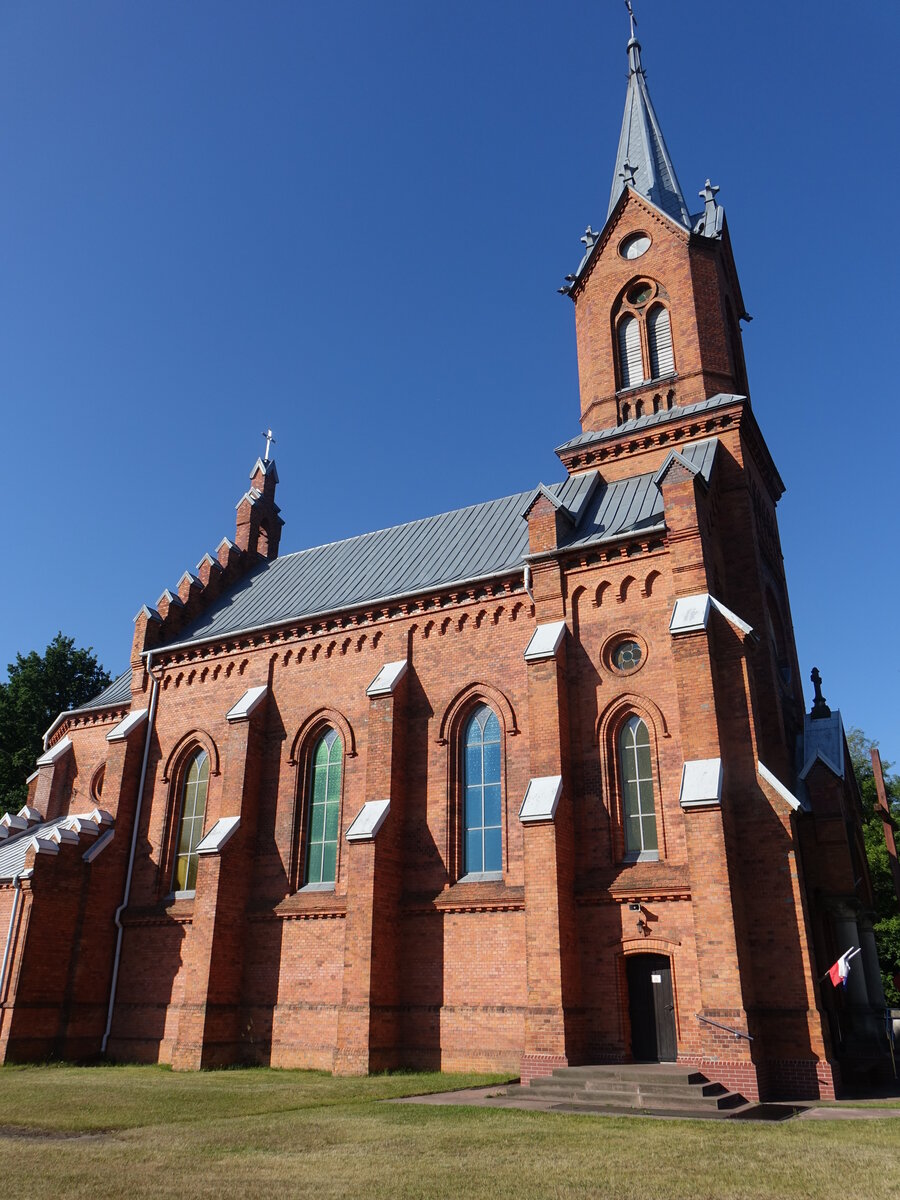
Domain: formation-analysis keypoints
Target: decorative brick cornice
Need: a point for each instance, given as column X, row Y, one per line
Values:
column 337, row 631
column 89, row 718
column 653, row 437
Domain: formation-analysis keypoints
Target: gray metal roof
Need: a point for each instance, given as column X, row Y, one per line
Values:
column 676, row 413
column 14, row 848
column 643, row 147
column 458, row 547
column 118, row 692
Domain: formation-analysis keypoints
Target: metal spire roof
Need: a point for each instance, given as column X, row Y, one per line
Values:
column 643, row 160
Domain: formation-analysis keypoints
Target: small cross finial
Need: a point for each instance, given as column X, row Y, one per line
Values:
column 628, row 174
column 270, row 441
column 589, row 237
column 709, row 192
column 631, row 17
column 819, row 708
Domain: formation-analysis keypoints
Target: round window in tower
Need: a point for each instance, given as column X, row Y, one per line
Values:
column 634, row 246
column 627, row 656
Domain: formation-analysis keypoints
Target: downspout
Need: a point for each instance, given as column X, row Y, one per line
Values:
column 17, row 883
column 526, row 580
column 134, row 837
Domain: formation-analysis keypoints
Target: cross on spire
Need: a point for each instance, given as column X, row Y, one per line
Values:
column 628, row 173
column 270, row 439
column 631, row 17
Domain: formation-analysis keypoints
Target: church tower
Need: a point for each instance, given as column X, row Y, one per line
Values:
column 658, row 306
column 657, row 297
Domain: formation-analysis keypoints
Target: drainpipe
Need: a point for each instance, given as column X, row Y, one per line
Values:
column 17, row 884
column 526, row 579
column 134, row 837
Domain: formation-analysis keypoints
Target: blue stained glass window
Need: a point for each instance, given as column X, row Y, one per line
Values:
column 482, row 844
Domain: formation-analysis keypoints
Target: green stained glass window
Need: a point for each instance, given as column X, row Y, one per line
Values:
column 638, row 803
column 482, row 847
column 324, row 809
column 190, row 827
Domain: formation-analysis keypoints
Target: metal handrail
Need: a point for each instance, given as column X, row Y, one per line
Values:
column 738, row 1033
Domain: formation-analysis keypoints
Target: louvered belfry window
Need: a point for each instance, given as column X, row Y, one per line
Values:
column 631, row 364
column 659, row 330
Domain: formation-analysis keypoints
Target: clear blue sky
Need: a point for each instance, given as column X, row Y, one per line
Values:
column 349, row 220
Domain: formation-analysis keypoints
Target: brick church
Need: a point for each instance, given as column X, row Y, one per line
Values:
column 524, row 785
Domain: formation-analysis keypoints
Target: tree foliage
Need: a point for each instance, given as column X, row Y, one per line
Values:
column 38, row 689
column 887, row 907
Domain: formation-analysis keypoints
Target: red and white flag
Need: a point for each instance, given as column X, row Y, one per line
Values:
column 841, row 969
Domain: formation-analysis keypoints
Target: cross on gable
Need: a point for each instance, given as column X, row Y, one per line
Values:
column 270, row 440
column 709, row 192
column 628, row 174
column 589, row 237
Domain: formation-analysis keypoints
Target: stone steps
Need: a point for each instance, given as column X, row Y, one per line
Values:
column 666, row 1089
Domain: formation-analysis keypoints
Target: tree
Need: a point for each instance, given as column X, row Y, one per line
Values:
column 887, row 916
column 39, row 688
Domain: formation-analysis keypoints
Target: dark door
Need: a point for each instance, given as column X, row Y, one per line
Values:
column 652, row 1008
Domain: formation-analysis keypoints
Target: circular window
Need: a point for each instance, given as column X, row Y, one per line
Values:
column 627, row 656
column 640, row 294
column 634, row 246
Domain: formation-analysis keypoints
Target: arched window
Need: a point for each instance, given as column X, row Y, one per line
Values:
column 482, row 850
column 638, row 804
column 190, row 825
column 324, row 808
column 631, row 363
column 659, row 333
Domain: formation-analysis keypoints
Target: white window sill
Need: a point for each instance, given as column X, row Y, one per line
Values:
column 482, row 877
column 643, row 856
column 318, row 887
column 187, row 895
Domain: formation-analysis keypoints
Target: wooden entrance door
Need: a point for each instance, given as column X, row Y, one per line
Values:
column 651, row 1006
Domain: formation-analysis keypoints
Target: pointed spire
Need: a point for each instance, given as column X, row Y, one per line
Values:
column 643, row 161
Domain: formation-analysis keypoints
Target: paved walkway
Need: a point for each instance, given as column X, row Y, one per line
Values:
column 495, row 1097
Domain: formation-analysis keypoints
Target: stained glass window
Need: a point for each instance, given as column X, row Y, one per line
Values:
column 190, row 830
column 637, row 783
column 324, row 809
column 627, row 656
column 482, row 850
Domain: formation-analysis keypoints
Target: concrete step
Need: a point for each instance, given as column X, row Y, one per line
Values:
column 655, row 1087
column 637, row 1098
column 636, row 1072
column 613, row 1110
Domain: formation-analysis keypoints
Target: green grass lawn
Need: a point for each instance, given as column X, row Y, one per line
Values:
column 137, row 1132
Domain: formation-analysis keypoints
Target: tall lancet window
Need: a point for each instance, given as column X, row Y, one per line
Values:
column 324, row 809
column 659, row 332
column 482, row 850
column 638, row 803
column 631, row 363
column 190, row 826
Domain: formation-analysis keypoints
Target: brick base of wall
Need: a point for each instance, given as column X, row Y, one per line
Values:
column 536, row 1065
column 775, row 1079
column 736, row 1076
column 799, row 1079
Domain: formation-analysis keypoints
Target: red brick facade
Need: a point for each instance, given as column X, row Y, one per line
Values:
column 404, row 962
